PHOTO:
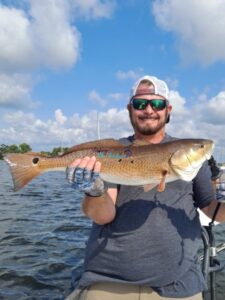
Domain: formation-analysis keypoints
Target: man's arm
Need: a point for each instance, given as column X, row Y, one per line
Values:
column 211, row 208
column 101, row 209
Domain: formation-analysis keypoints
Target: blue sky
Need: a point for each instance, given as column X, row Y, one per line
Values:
column 64, row 61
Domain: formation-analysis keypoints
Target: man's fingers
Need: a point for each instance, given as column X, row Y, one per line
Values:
column 86, row 163
column 87, row 175
column 97, row 167
column 79, row 176
column 70, row 170
column 70, row 173
column 75, row 163
column 91, row 163
column 83, row 171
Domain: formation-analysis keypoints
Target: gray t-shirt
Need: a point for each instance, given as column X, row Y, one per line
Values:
column 154, row 238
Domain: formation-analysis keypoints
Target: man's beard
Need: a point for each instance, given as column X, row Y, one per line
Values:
column 149, row 129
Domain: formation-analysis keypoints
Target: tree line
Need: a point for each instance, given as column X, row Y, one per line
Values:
column 23, row 148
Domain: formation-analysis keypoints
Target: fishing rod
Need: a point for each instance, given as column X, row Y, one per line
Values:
column 210, row 263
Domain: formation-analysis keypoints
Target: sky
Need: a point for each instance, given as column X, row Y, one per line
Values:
column 64, row 64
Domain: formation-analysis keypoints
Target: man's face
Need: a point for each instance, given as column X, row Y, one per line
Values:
column 148, row 121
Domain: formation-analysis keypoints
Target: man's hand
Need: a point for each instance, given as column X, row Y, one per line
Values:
column 220, row 191
column 83, row 174
column 219, row 196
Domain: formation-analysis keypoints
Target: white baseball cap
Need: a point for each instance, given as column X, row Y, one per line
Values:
column 160, row 87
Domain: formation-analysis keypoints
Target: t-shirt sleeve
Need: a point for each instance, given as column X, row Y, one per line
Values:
column 202, row 187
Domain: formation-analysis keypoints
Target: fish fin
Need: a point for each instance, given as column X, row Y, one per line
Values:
column 22, row 169
column 148, row 187
column 107, row 143
column 162, row 185
column 41, row 154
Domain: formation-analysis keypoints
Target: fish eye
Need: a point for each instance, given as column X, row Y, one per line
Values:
column 35, row 160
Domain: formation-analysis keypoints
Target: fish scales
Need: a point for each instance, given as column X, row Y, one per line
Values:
column 134, row 170
column 137, row 164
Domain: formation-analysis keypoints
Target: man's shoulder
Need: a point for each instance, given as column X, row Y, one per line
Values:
column 126, row 141
column 169, row 138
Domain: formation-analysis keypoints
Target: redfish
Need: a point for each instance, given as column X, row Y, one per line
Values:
column 147, row 165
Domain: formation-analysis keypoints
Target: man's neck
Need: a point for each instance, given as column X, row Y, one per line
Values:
column 152, row 139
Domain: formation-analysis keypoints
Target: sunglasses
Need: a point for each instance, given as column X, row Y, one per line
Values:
column 156, row 104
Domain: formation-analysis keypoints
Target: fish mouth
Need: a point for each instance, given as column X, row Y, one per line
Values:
column 187, row 163
column 209, row 148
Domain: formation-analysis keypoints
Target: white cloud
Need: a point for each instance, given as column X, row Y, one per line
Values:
column 178, row 104
column 202, row 120
column 186, row 122
column 59, row 116
column 94, row 9
column 29, row 41
column 16, row 46
column 108, row 100
column 53, row 36
column 114, row 123
column 198, row 26
column 131, row 74
column 96, row 98
column 212, row 111
column 39, row 34
column 23, row 127
column 15, row 91
column 117, row 96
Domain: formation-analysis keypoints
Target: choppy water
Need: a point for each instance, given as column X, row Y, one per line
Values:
column 42, row 238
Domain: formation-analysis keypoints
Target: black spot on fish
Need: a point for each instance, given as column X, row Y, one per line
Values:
column 35, row 160
column 132, row 161
column 120, row 160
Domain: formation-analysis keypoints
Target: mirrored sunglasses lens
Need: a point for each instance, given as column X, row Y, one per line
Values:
column 139, row 104
column 158, row 104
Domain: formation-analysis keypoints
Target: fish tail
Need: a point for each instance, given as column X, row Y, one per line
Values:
column 22, row 168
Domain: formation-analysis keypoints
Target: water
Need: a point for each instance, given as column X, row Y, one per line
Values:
column 43, row 234
column 42, row 237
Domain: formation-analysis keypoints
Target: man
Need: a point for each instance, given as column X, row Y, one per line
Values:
column 143, row 245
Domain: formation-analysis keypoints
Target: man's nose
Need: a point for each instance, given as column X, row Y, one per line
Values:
column 149, row 109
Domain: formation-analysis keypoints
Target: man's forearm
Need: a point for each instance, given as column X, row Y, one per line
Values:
column 100, row 209
column 210, row 210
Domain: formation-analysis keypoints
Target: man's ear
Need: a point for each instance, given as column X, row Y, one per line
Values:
column 168, row 118
column 169, row 109
column 128, row 107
